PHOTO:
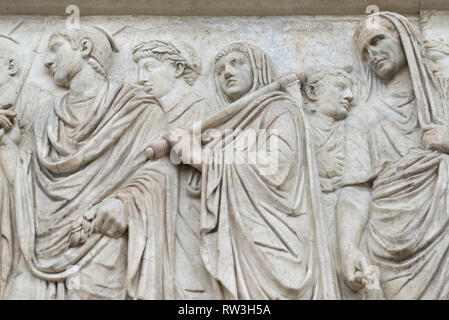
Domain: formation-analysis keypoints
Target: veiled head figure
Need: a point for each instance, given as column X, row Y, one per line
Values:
column 379, row 46
column 438, row 53
column 387, row 44
column 240, row 68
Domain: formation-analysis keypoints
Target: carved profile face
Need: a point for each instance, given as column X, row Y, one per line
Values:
column 335, row 97
column 331, row 96
column 383, row 53
column 235, row 75
column 158, row 77
column 63, row 61
column 440, row 62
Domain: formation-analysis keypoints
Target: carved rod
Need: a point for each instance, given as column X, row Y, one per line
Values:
column 160, row 147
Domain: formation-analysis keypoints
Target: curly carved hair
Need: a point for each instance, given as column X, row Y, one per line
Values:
column 167, row 52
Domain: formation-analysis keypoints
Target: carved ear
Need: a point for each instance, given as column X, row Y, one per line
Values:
column 179, row 69
column 311, row 91
column 86, row 47
column 13, row 67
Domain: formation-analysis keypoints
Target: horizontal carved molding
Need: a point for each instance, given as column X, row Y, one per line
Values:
column 217, row 8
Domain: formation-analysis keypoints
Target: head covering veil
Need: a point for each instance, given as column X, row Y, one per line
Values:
column 431, row 106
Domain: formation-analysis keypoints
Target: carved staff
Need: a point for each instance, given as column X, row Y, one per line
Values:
column 289, row 83
column 25, row 75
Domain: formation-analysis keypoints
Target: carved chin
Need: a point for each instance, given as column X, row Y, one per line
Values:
column 235, row 91
column 340, row 114
column 61, row 81
column 385, row 72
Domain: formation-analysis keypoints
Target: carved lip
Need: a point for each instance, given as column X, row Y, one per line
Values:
column 53, row 70
column 345, row 104
column 147, row 86
column 379, row 61
column 231, row 81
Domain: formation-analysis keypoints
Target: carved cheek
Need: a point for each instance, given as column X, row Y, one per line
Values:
column 3, row 69
column 222, row 82
column 160, row 74
column 444, row 66
column 147, row 76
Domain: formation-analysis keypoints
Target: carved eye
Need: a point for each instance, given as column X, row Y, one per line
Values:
column 241, row 62
column 376, row 39
column 149, row 67
column 55, row 47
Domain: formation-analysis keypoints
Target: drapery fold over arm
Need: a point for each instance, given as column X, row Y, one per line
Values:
column 160, row 147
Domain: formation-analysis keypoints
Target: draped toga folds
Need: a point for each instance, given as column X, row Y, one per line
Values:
column 193, row 281
column 260, row 237
column 263, row 231
column 407, row 234
column 86, row 152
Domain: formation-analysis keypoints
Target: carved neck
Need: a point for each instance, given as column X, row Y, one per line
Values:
column 323, row 119
column 86, row 83
column 175, row 94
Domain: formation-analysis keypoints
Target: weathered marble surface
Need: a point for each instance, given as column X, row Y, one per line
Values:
column 93, row 207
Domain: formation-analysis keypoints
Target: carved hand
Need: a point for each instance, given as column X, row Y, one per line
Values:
column 111, row 219
column 354, row 265
column 6, row 118
column 186, row 146
column 437, row 138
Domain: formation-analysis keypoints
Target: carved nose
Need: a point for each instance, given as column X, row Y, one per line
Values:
column 349, row 96
column 48, row 64
column 140, row 78
column 227, row 73
column 373, row 54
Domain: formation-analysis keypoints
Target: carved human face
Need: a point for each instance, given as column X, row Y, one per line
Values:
column 384, row 54
column 235, row 75
column 158, row 77
column 441, row 63
column 62, row 61
column 334, row 97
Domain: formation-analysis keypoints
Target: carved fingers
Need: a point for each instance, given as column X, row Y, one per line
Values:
column 355, row 266
column 6, row 119
column 111, row 219
column 186, row 146
column 176, row 136
column 82, row 228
